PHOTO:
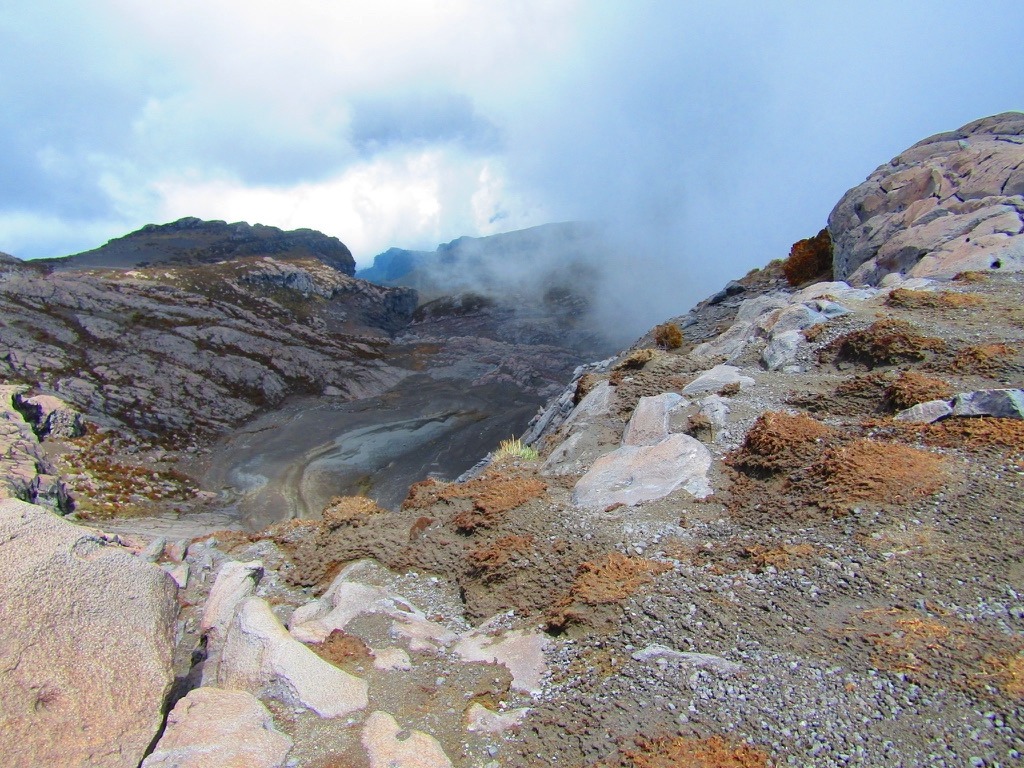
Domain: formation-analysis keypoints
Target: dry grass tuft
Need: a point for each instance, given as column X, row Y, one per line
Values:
column 982, row 359
column 490, row 495
column 904, row 298
column 343, row 650
column 584, row 386
column 911, row 388
column 976, row 432
column 487, row 561
column 781, row 557
column 872, row 471
column 668, row 336
column 779, row 442
column 809, row 259
column 349, row 510
column 884, row 342
column 686, row 752
column 634, row 361
column 1007, row 671
column 602, row 582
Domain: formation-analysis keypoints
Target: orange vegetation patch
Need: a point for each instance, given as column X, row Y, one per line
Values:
column 668, row 336
column 343, row 650
column 779, row 442
column 606, row 581
column 684, row 752
column 884, row 342
column 488, row 560
column 908, row 299
column 872, row 471
column 781, row 557
column 490, row 495
column 971, row 276
column 982, row 359
column 911, row 388
column 809, row 259
column 349, row 510
column 584, row 386
column 1007, row 671
column 975, row 432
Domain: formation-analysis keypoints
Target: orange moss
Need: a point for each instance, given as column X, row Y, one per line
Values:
column 685, row 752
column 911, row 388
column 779, row 442
column 492, row 557
column 349, row 510
column 904, row 298
column 873, row 471
column 981, row 359
column 343, row 650
column 602, row 582
column 491, row 495
column 885, row 342
column 586, row 383
column 809, row 259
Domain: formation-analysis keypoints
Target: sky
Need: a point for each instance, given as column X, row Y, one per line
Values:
column 707, row 137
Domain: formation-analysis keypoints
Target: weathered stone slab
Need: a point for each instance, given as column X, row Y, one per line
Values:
column 1001, row 403
column 713, row 380
column 213, row 728
column 649, row 423
column 782, row 349
column 634, row 474
column 925, row 413
column 86, row 644
column 260, row 656
column 387, row 745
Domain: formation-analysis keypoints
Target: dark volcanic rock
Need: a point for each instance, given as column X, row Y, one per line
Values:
column 194, row 241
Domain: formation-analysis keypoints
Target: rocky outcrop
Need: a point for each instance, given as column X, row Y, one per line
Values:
column 85, row 644
column 194, row 241
column 950, row 203
column 196, row 349
column 25, row 472
column 213, row 728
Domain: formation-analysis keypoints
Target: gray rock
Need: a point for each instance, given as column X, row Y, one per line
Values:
column 260, row 656
column 1001, row 403
column 634, row 474
column 703, row 660
column 51, row 416
column 211, row 728
column 925, row 413
column 649, row 423
column 234, row 583
column 714, row 379
column 949, row 203
column 86, row 644
column 782, row 349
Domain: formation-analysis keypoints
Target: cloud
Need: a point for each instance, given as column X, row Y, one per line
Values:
column 707, row 138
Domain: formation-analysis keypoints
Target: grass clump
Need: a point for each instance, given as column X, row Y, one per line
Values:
column 668, row 336
column 885, row 342
column 690, row 752
column 904, row 298
column 911, row 388
column 514, row 448
column 779, row 442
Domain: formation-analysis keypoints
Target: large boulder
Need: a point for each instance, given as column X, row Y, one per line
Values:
column 950, row 203
column 211, row 728
column 86, row 644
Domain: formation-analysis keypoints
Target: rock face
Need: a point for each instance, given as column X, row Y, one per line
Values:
column 950, row 203
column 196, row 349
column 25, row 473
column 194, row 241
column 211, row 728
column 85, row 644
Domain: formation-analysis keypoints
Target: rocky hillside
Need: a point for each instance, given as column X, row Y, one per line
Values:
column 194, row 241
column 780, row 529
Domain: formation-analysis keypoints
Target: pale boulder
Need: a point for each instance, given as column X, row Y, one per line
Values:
column 387, row 745
column 86, row 644
column 649, row 423
column 260, row 656
column 634, row 474
column 212, row 728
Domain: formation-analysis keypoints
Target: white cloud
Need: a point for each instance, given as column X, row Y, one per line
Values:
column 409, row 198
